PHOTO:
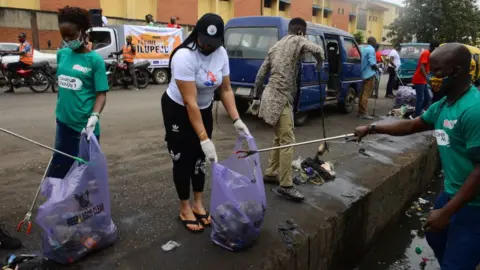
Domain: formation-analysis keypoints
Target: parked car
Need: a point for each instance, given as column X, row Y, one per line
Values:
column 38, row 56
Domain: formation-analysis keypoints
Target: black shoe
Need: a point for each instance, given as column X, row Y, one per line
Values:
column 291, row 192
column 7, row 241
column 269, row 179
column 389, row 96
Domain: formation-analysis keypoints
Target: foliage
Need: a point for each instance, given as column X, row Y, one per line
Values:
column 359, row 37
column 442, row 20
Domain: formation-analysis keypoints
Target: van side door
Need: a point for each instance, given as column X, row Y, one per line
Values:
column 311, row 93
column 351, row 60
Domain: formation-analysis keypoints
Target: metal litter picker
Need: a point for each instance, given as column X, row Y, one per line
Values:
column 247, row 153
column 27, row 219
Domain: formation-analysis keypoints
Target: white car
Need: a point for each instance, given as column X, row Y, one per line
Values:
column 37, row 55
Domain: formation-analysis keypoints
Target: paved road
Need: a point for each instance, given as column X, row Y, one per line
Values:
column 143, row 197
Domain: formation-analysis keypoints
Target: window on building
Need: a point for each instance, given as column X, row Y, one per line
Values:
column 267, row 3
column 250, row 42
column 351, row 50
column 362, row 19
column 314, row 12
column 282, row 6
column 338, row 11
column 308, row 57
column 343, row 11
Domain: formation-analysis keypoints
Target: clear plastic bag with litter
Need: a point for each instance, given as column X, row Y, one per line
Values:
column 238, row 200
column 76, row 218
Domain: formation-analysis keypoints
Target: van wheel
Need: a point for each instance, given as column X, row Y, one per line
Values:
column 242, row 105
column 349, row 102
column 300, row 118
column 160, row 76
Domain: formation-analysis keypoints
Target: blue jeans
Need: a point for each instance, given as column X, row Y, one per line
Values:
column 458, row 246
column 67, row 140
column 423, row 98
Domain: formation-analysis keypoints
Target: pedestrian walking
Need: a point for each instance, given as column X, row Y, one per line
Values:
column 419, row 79
column 277, row 103
column 369, row 71
column 197, row 68
column 394, row 64
column 82, row 88
column 452, row 227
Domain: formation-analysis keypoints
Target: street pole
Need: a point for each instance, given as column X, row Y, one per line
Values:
column 261, row 7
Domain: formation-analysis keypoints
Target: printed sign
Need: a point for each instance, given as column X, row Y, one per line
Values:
column 70, row 83
column 154, row 44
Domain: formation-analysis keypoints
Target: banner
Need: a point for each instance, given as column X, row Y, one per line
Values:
column 154, row 44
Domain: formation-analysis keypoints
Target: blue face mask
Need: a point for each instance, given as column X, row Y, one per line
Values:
column 73, row 44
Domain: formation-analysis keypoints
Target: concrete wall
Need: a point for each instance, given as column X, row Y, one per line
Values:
column 54, row 5
column 341, row 12
column 302, row 9
column 15, row 21
column 246, row 8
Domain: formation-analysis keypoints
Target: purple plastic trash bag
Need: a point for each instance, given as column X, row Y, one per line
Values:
column 76, row 218
column 238, row 199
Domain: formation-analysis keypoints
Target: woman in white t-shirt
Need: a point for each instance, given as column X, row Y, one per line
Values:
column 197, row 68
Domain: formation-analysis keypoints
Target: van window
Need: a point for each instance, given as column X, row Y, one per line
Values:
column 250, row 42
column 99, row 39
column 412, row 51
column 351, row 49
column 308, row 57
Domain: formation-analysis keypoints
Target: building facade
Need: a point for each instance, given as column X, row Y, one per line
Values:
column 38, row 19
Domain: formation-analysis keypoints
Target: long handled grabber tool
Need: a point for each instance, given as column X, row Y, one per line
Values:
column 376, row 86
column 324, row 146
column 27, row 219
column 42, row 145
column 247, row 153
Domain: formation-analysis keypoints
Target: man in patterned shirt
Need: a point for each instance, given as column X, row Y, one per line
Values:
column 277, row 102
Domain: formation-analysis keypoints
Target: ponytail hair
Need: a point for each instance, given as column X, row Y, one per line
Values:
column 189, row 43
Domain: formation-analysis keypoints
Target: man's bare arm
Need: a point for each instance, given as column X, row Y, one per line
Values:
column 403, row 127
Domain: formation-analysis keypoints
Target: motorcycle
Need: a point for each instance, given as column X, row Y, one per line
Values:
column 52, row 77
column 35, row 77
column 118, row 73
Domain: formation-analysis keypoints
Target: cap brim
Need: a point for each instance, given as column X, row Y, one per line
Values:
column 209, row 40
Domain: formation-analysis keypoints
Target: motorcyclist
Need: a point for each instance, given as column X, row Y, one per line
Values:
column 25, row 51
column 129, row 52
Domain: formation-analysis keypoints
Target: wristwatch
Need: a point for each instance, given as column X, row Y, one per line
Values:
column 372, row 129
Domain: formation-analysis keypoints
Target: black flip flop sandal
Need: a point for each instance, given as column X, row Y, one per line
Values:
column 200, row 218
column 191, row 222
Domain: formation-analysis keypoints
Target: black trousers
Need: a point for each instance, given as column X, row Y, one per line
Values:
column 13, row 67
column 184, row 146
column 391, row 80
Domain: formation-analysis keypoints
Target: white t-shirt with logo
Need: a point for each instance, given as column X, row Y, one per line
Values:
column 396, row 58
column 206, row 71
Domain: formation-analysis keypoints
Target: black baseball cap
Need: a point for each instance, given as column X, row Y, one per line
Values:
column 210, row 28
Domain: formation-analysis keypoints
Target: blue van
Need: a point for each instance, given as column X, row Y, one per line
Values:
column 248, row 39
column 409, row 56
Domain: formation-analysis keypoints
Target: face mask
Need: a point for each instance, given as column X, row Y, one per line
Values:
column 21, row 40
column 73, row 44
column 206, row 52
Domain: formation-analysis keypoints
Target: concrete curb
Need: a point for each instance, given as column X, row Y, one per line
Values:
column 339, row 236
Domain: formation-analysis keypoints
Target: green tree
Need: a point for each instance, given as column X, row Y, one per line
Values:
column 359, row 37
column 443, row 20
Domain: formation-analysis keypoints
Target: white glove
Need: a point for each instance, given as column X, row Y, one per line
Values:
column 90, row 128
column 241, row 128
column 208, row 149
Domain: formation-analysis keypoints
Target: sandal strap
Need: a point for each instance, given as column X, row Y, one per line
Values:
column 200, row 216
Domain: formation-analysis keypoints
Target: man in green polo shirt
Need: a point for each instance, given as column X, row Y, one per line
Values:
column 453, row 227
